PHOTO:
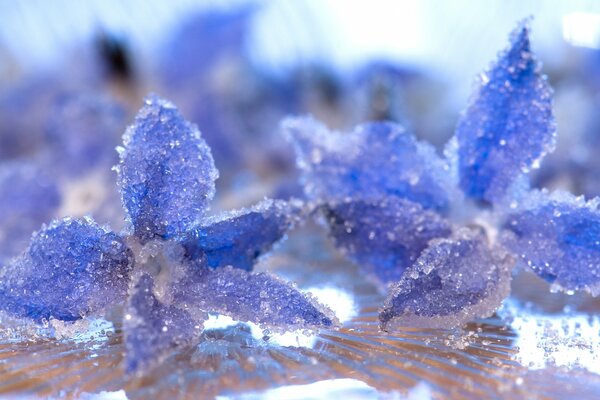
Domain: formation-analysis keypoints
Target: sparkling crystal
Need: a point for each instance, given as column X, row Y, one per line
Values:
column 558, row 236
column 384, row 237
column 153, row 328
column 508, row 126
column 72, row 267
column 455, row 280
column 238, row 238
column 376, row 160
column 261, row 298
column 166, row 172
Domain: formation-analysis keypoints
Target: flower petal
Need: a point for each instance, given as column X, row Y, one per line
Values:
column 167, row 173
column 454, row 281
column 508, row 126
column 73, row 267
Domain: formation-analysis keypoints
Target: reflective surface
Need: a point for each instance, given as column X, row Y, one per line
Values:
column 520, row 353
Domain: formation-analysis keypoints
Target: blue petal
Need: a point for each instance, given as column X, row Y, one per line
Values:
column 28, row 198
column 508, row 126
column 558, row 237
column 384, row 237
column 238, row 238
column 152, row 328
column 375, row 160
column 454, row 281
column 168, row 308
column 167, row 174
column 72, row 268
column 261, row 298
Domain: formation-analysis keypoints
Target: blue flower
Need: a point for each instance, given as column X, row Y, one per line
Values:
column 177, row 264
column 446, row 232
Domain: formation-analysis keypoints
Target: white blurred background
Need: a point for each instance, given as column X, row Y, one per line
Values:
column 453, row 39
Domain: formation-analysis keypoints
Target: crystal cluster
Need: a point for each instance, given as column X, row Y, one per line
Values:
column 397, row 209
column 175, row 266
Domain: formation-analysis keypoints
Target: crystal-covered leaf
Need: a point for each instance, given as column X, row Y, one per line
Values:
column 508, row 126
column 261, row 298
column 238, row 238
column 558, row 237
column 384, row 237
column 28, row 198
column 376, row 160
column 166, row 173
column 153, row 328
column 455, row 280
column 72, row 268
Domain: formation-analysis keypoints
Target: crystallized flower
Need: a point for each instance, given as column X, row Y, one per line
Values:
column 177, row 265
column 395, row 208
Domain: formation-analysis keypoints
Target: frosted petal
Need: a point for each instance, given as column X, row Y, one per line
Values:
column 153, row 328
column 508, row 126
column 558, row 236
column 72, row 268
column 166, row 173
column 455, row 280
column 238, row 238
column 384, row 237
column 261, row 298
column 376, row 160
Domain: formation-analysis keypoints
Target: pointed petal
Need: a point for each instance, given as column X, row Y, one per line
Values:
column 384, row 237
column 376, row 160
column 454, row 281
column 261, row 298
column 167, row 173
column 152, row 328
column 238, row 238
column 508, row 126
column 558, row 236
column 73, row 267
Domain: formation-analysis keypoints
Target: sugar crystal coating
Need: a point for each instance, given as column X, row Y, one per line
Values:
column 28, row 198
column 166, row 172
column 455, row 280
column 72, row 267
column 558, row 237
column 238, row 238
column 173, row 295
column 261, row 298
column 376, row 160
column 384, row 237
column 508, row 126
column 153, row 328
